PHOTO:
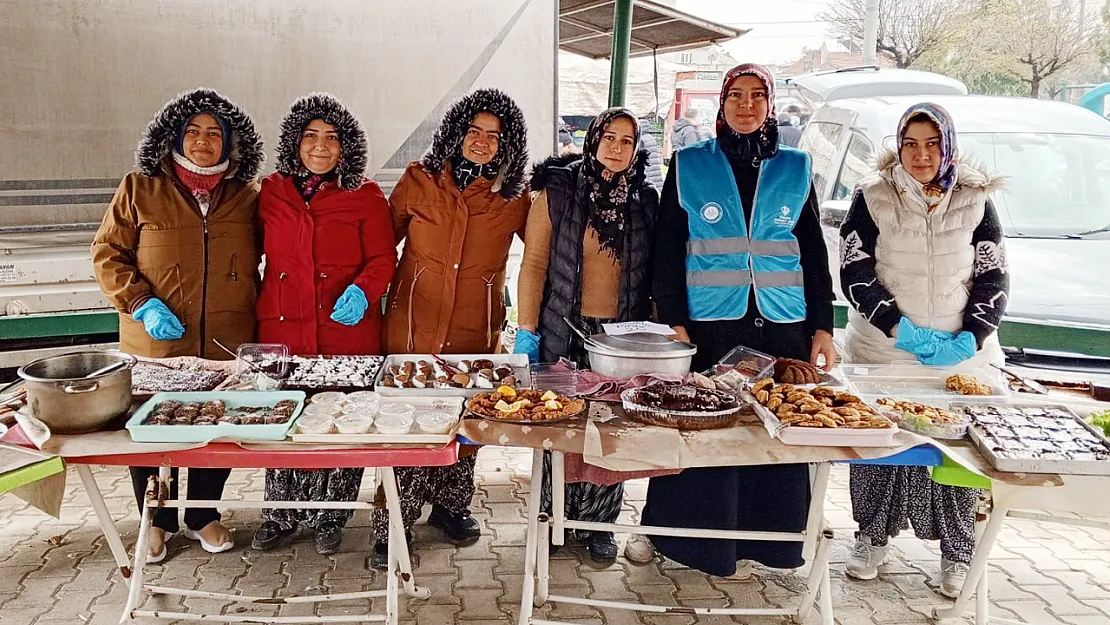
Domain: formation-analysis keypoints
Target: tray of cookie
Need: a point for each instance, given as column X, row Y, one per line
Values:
column 1037, row 438
column 822, row 415
column 455, row 375
column 197, row 417
column 919, row 382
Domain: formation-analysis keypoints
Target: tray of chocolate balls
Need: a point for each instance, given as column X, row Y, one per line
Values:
column 456, row 375
column 197, row 417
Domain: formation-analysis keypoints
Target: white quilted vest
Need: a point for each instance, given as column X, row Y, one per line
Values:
column 925, row 260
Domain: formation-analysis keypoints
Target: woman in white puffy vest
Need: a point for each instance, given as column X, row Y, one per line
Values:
column 923, row 265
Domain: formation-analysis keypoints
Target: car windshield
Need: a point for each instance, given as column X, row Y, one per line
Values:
column 1056, row 184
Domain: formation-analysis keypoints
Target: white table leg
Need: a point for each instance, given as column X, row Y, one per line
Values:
column 543, row 560
column 978, row 566
column 107, row 525
column 558, row 495
column 529, row 590
column 142, row 547
column 982, row 592
column 818, row 574
column 815, row 523
column 397, row 528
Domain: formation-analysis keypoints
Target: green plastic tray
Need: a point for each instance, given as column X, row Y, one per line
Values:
column 30, row 473
column 203, row 433
column 951, row 473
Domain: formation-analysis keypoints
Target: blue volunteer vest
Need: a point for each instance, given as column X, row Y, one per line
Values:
column 726, row 257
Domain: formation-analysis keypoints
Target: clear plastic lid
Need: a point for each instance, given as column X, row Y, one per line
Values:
column 435, row 422
column 747, row 362
column 354, row 424
column 364, row 396
column 394, row 423
column 269, row 358
column 361, row 408
column 396, row 410
column 315, row 424
column 323, row 411
column 331, row 397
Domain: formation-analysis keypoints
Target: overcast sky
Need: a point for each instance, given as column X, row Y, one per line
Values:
column 780, row 28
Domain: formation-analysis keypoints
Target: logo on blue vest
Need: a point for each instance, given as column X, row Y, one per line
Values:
column 712, row 212
column 784, row 219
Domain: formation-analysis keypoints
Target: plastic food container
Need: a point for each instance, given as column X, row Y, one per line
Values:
column 311, row 424
column 354, row 424
column 561, row 377
column 396, row 410
column 749, row 363
column 330, row 397
column 325, row 411
column 435, row 422
column 394, row 423
column 265, row 363
column 364, row 396
column 364, row 409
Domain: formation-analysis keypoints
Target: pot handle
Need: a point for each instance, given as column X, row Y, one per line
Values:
column 77, row 388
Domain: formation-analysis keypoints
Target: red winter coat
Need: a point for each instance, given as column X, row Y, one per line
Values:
column 313, row 253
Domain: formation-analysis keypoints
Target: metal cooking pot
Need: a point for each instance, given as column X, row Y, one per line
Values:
column 62, row 397
column 635, row 354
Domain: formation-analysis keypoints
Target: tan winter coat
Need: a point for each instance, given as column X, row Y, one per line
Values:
column 153, row 242
column 448, row 292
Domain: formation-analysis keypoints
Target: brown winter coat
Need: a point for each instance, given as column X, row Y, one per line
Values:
column 153, row 242
column 447, row 294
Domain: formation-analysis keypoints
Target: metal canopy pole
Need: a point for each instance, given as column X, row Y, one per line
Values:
column 622, row 42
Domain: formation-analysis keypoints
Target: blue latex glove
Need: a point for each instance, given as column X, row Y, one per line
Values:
column 527, row 343
column 951, row 351
column 160, row 322
column 350, row 307
column 921, row 342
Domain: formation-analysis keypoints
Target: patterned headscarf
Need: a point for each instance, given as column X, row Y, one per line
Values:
column 608, row 192
column 758, row 145
column 946, row 174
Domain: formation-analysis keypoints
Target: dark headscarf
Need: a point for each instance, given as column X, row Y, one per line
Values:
column 761, row 144
column 466, row 171
column 608, row 193
column 225, row 129
column 946, row 175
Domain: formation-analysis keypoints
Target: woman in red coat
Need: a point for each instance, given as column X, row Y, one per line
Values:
column 328, row 242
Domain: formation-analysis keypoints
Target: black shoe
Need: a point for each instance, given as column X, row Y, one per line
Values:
column 458, row 527
column 328, row 538
column 602, row 548
column 379, row 556
column 270, row 534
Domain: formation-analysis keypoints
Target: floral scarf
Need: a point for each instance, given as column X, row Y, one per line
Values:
column 608, row 193
column 761, row 144
column 309, row 183
column 945, row 179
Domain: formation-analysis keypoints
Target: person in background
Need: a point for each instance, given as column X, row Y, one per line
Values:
column 739, row 259
column 653, row 166
column 587, row 257
column 923, row 265
column 789, row 134
column 177, row 255
column 328, row 240
column 457, row 211
column 685, row 131
column 566, row 140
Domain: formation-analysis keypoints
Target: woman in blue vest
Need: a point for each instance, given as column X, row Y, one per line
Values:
column 587, row 257
column 739, row 259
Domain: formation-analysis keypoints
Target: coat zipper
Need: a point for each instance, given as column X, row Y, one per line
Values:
column 234, row 275
column 204, row 287
column 932, row 263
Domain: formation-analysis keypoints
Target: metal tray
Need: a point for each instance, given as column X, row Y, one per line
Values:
column 519, row 362
column 919, row 382
column 141, row 433
column 1037, row 465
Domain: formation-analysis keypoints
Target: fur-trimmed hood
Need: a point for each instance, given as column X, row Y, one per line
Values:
column 972, row 174
column 513, row 148
column 161, row 133
column 354, row 150
column 541, row 172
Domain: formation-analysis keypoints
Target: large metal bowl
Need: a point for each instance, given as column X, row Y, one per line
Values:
column 65, row 400
column 623, row 365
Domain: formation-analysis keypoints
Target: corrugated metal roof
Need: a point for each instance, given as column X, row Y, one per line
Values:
column 586, row 28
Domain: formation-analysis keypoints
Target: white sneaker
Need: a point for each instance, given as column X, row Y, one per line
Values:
column 639, row 549
column 744, row 571
column 865, row 560
column 952, row 577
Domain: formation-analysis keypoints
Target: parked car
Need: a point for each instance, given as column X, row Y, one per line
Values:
column 868, row 81
column 1055, row 207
